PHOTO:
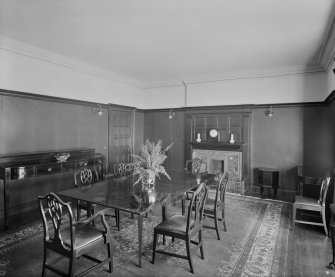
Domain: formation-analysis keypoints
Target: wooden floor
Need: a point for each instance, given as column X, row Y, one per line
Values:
column 309, row 250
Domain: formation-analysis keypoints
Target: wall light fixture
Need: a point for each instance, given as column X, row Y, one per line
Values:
column 269, row 112
column 171, row 114
column 97, row 110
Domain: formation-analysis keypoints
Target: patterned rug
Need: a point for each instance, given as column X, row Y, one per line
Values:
column 255, row 244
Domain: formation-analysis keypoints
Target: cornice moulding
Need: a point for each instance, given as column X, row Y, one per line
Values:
column 8, row 44
column 328, row 46
column 24, row 49
column 247, row 74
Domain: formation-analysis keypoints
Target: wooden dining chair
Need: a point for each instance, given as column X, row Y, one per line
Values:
column 311, row 204
column 122, row 170
column 332, row 232
column 184, row 227
column 83, row 179
column 196, row 165
column 71, row 238
column 216, row 205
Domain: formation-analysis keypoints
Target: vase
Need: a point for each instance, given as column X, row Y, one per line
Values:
column 148, row 181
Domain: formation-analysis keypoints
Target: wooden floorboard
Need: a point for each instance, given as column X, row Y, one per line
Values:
column 309, row 252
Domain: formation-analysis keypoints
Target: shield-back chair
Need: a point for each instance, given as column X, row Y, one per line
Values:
column 196, row 165
column 215, row 205
column 71, row 238
column 84, row 178
column 184, row 227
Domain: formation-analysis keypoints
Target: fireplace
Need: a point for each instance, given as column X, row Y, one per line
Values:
column 222, row 158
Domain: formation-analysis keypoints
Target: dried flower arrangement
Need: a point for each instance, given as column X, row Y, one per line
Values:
column 149, row 163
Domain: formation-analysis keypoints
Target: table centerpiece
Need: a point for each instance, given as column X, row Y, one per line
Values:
column 149, row 164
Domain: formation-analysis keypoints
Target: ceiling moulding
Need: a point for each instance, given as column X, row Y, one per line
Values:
column 328, row 49
column 248, row 74
column 24, row 49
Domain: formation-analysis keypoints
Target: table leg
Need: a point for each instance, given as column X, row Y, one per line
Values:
column 140, row 228
column 262, row 190
column 163, row 219
column 274, row 193
column 6, row 197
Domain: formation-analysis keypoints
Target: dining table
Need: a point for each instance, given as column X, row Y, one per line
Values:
column 126, row 195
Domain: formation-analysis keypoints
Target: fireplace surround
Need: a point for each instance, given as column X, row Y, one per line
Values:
column 223, row 157
column 209, row 133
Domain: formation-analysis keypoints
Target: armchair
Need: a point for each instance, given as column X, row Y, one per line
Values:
column 70, row 238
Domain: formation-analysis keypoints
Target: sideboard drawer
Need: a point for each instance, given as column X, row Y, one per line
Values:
column 48, row 169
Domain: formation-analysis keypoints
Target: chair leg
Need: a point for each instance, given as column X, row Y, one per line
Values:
column 117, row 218
column 78, row 211
column 189, row 257
column 224, row 221
column 182, row 206
column 332, row 263
column 294, row 215
column 216, row 224
column 44, row 261
column 201, row 245
column 154, row 247
column 110, row 256
column 71, row 265
column 324, row 220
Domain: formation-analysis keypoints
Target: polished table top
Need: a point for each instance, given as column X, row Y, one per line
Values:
column 123, row 195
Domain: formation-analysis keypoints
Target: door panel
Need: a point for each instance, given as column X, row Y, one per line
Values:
column 120, row 134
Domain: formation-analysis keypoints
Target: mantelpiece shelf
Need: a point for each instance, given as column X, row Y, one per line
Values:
column 218, row 146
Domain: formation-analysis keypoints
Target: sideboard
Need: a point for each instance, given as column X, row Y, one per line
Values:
column 24, row 176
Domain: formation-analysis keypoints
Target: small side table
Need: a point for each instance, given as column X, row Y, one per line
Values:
column 271, row 175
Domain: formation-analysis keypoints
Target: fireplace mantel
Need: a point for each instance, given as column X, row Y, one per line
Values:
column 238, row 147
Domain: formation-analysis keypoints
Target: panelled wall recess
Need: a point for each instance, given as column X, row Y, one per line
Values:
column 97, row 110
column 269, row 112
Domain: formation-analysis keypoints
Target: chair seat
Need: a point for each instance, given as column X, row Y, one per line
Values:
column 175, row 223
column 84, row 235
column 305, row 202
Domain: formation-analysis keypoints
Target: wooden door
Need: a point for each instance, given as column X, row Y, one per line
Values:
column 120, row 135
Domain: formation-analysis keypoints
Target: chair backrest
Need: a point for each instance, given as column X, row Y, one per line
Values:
column 196, row 208
column 53, row 209
column 85, row 176
column 323, row 191
column 221, row 189
column 196, row 165
column 122, row 169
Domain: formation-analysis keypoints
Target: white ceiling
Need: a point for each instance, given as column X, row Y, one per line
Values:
column 161, row 42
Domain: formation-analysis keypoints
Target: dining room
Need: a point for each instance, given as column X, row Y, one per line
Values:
column 87, row 88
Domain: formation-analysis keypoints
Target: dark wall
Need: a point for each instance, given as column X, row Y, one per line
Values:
column 293, row 136
column 331, row 128
column 29, row 125
column 139, row 130
column 157, row 126
column 296, row 135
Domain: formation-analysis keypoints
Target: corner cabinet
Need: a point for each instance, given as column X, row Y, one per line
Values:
column 24, row 176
